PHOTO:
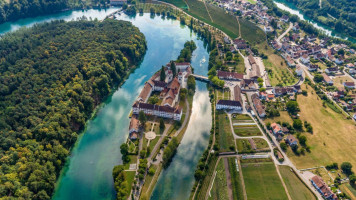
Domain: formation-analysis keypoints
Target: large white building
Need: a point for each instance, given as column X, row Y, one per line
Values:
column 159, row 111
column 228, row 105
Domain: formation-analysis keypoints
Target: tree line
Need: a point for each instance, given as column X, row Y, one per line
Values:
column 52, row 76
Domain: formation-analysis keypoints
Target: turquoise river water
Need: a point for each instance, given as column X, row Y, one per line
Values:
column 87, row 173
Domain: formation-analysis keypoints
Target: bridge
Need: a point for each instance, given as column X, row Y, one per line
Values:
column 201, row 78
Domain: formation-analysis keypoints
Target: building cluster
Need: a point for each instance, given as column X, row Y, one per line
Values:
column 279, row 132
column 168, row 91
column 323, row 188
column 260, row 108
column 235, row 104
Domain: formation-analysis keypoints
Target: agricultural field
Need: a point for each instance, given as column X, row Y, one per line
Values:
column 296, row 188
column 178, row 3
column 244, row 126
column 205, row 183
column 262, row 181
column 197, row 9
column 237, row 187
column 219, row 189
column 349, row 190
column 333, row 137
column 225, row 137
column 260, row 143
column 250, row 32
column 244, row 146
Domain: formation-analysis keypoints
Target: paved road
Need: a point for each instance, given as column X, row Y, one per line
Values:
column 285, row 32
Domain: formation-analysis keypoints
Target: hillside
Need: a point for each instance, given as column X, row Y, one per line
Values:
column 338, row 14
column 52, row 77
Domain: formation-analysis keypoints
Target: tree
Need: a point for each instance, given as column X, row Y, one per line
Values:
column 303, row 140
column 173, row 68
column 142, row 118
column 352, row 179
column 283, row 146
column 346, row 168
column 292, row 107
column 161, row 124
column 318, row 78
column 191, row 83
column 153, row 99
column 162, row 76
column 298, row 124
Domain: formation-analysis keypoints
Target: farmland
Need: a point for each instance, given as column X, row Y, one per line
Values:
column 237, row 187
column 219, row 189
column 295, row 186
column 225, row 137
column 262, row 181
column 244, row 126
column 329, row 143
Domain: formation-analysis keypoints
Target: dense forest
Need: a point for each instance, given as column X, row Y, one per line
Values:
column 52, row 76
column 338, row 14
column 16, row 9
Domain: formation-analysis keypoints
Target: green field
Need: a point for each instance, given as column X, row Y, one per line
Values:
column 262, row 181
column 251, row 33
column 130, row 176
column 225, row 137
column 204, row 187
column 296, row 188
column 237, row 187
column 260, row 143
column 243, row 146
column 219, row 189
column 247, row 131
column 178, row 3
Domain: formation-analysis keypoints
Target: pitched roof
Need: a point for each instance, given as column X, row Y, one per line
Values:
column 134, row 123
column 229, row 103
column 349, row 84
column 291, row 139
column 145, row 92
column 228, row 75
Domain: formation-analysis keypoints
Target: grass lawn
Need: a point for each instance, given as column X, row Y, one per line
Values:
column 154, row 142
column 252, row 1
column 240, row 66
column 240, row 117
column 133, row 160
column 260, row 143
column 219, row 189
column 284, row 117
column 130, row 176
column 237, row 187
column 146, row 192
column 323, row 174
column 226, row 139
column 262, row 181
column 296, row 188
column 334, row 136
column 247, row 131
column 339, row 80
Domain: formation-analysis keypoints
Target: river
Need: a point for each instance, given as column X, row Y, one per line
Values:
column 87, row 173
column 291, row 8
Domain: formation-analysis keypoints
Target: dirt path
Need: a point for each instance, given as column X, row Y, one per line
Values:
column 284, row 185
column 208, row 12
column 237, row 18
column 242, row 180
column 228, row 179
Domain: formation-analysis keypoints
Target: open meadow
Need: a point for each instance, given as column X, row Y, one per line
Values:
column 225, row 137
column 262, row 181
column 237, row 187
column 334, row 136
column 296, row 188
column 219, row 189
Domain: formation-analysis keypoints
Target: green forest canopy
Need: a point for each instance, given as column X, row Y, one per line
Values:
column 52, row 76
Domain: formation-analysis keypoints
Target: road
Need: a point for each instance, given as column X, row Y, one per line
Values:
column 286, row 159
column 285, row 32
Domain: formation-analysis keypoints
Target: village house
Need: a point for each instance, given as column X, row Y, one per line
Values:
column 240, row 44
column 284, row 18
column 229, row 75
column 248, row 84
column 279, row 91
column 331, row 70
column 299, row 70
column 255, row 69
column 327, row 79
column 304, row 59
column 296, row 27
column 350, row 85
column 291, row 140
column 277, row 129
column 312, row 67
column 323, row 188
column 134, row 128
column 258, row 105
